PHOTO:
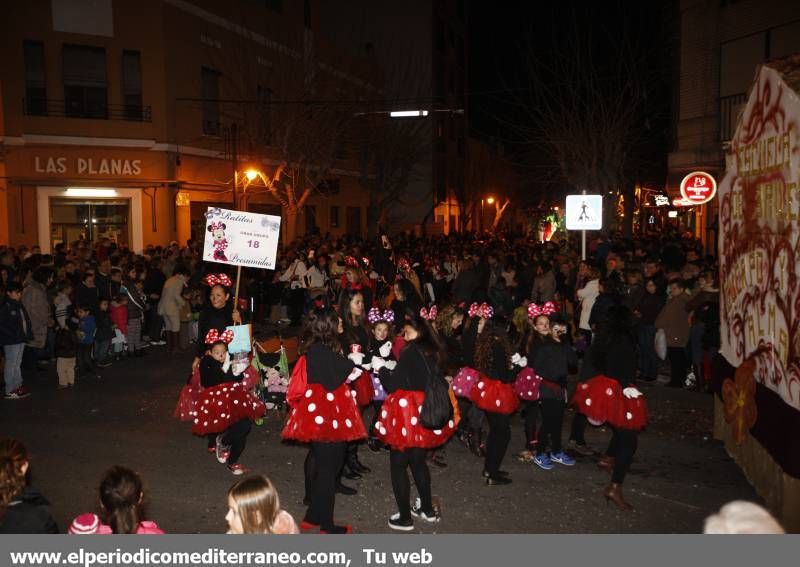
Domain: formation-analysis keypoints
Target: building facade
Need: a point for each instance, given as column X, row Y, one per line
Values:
column 127, row 120
column 720, row 45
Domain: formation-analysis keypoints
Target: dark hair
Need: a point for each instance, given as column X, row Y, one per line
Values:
column 345, row 298
column 121, row 497
column 180, row 270
column 492, row 335
column 407, row 288
column 679, row 282
column 13, row 286
column 13, row 455
column 428, row 340
column 42, row 274
column 321, row 327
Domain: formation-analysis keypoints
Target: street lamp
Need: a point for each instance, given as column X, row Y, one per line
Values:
column 489, row 200
column 249, row 174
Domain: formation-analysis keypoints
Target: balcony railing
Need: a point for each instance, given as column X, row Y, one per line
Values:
column 730, row 108
column 59, row 108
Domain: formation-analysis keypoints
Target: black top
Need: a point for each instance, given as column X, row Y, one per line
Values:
column 87, row 297
column 28, row 513
column 211, row 373
column 211, row 318
column 650, row 306
column 66, row 343
column 327, row 368
column 468, row 339
column 552, row 360
column 15, row 324
column 616, row 359
column 355, row 334
column 455, row 354
column 105, row 330
column 412, row 372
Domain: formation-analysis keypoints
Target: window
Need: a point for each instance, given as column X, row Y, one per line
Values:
column 264, row 115
column 132, row 84
column 334, row 217
column 307, row 14
column 85, row 84
column 210, row 93
column 35, row 84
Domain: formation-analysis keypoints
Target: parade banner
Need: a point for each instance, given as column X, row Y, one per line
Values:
column 241, row 239
column 759, row 256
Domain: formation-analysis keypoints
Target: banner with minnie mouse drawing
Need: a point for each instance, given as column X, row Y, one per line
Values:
column 241, row 239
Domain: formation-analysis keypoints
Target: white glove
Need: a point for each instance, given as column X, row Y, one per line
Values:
column 522, row 362
column 227, row 364
column 378, row 363
column 390, row 364
column 631, row 393
column 386, row 349
column 367, row 366
column 356, row 357
column 355, row 374
column 516, row 358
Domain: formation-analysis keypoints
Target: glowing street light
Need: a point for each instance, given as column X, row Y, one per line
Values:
column 407, row 113
column 251, row 174
column 490, row 200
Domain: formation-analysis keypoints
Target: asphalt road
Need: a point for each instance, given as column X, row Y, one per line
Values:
column 680, row 475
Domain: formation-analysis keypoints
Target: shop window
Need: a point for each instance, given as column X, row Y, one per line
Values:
column 210, row 92
column 74, row 219
column 85, row 81
column 35, row 84
column 132, row 84
column 335, row 217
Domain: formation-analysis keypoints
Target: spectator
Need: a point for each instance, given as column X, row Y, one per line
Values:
column 254, row 508
column 87, row 326
column 103, row 334
column 675, row 322
column 15, row 331
column 37, row 304
column 66, row 351
column 23, row 509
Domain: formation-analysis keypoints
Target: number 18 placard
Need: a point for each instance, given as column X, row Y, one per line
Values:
column 241, row 239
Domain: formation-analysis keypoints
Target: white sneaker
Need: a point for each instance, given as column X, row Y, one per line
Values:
column 420, row 515
column 396, row 524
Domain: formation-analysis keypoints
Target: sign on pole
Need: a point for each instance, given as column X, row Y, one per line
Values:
column 584, row 212
column 241, row 239
column 697, row 188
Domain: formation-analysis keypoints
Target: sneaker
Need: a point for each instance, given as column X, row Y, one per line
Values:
column 18, row 394
column 307, row 526
column 238, row 469
column 222, row 451
column 562, row 459
column 543, row 462
column 416, row 511
column 401, row 525
column 158, row 343
column 341, row 530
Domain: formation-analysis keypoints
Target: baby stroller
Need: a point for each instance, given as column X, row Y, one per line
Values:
column 275, row 372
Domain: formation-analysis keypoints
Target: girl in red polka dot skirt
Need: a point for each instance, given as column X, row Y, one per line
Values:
column 400, row 423
column 613, row 397
column 225, row 406
column 494, row 394
column 325, row 415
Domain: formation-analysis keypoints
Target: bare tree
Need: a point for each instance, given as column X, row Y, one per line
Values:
column 589, row 112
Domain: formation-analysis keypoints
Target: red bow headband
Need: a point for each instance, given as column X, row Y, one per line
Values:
column 547, row 308
column 218, row 279
column 214, row 336
column 216, row 226
column 429, row 315
column 403, row 265
column 484, row 310
column 375, row 316
column 350, row 261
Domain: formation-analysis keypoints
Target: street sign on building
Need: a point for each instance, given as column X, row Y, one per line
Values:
column 697, row 188
column 584, row 212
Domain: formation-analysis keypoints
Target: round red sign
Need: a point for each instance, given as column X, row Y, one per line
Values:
column 698, row 187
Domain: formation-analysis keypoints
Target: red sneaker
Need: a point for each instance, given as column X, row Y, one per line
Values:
column 238, row 469
column 308, row 526
column 339, row 530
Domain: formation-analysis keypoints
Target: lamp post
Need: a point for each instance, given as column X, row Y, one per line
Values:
column 489, row 200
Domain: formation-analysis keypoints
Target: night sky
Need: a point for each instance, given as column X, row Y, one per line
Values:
column 500, row 38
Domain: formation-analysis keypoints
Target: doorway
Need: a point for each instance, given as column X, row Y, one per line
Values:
column 78, row 219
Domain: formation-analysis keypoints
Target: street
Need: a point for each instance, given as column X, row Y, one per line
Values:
column 679, row 475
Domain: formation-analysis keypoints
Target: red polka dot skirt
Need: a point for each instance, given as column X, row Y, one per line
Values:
column 494, row 396
column 464, row 381
column 221, row 406
column 324, row 416
column 527, row 384
column 399, row 425
column 601, row 400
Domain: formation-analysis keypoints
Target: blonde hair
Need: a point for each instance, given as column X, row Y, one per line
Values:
column 740, row 517
column 257, row 502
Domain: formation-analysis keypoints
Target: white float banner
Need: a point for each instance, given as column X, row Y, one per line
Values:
column 584, row 212
column 241, row 239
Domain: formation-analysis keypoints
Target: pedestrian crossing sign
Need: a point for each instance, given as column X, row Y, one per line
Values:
column 584, row 212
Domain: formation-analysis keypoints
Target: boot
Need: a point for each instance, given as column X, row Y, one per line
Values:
column 344, row 489
column 613, row 493
column 355, row 465
column 374, row 444
column 606, row 463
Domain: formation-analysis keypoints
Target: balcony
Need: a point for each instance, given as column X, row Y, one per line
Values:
column 730, row 108
column 58, row 108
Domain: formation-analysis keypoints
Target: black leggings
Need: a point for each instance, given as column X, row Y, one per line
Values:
column 322, row 466
column 471, row 416
column 377, row 407
column 622, row 447
column 530, row 409
column 413, row 458
column 552, row 420
column 578, row 430
column 497, row 440
column 236, row 438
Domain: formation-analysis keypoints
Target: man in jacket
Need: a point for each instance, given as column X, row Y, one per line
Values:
column 674, row 319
